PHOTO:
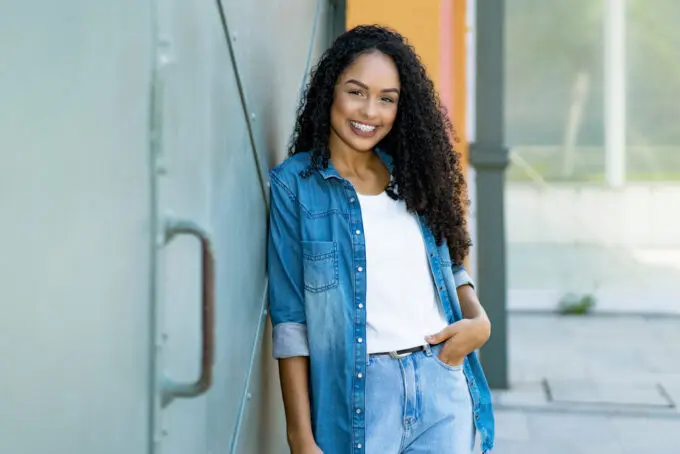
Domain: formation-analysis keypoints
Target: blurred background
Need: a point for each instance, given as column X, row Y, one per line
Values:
column 593, row 186
column 135, row 140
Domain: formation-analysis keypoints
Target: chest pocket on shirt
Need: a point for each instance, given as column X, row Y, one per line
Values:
column 320, row 261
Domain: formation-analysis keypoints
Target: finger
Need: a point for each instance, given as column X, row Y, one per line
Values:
column 450, row 355
column 445, row 334
column 441, row 336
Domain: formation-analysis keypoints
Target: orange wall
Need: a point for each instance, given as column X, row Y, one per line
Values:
column 416, row 19
column 458, row 34
column 437, row 30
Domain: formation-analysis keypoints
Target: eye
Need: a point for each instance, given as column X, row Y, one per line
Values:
column 355, row 92
column 390, row 100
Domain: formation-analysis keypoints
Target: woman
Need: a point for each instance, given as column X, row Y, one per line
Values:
column 375, row 320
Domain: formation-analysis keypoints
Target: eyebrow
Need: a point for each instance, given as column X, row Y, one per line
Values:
column 365, row 87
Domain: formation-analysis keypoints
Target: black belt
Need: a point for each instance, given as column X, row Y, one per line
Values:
column 402, row 353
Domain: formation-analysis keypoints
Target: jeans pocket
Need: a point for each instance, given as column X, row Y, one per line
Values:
column 448, row 367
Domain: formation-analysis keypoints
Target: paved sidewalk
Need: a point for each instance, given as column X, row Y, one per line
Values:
column 593, row 384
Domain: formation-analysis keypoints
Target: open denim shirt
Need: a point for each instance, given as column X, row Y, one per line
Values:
column 317, row 298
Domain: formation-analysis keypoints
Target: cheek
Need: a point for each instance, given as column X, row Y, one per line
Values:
column 342, row 106
column 337, row 115
column 390, row 116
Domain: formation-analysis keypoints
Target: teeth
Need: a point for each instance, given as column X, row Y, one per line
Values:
column 363, row 127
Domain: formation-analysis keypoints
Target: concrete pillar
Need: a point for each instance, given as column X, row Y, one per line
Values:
column 489, row 157
column 337, row 17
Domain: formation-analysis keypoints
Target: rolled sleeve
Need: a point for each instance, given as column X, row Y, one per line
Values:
column 284, row 266
column 461, row 276
column 290, row 339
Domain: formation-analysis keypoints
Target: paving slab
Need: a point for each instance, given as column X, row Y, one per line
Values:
column 649, row 395
column 586, row 385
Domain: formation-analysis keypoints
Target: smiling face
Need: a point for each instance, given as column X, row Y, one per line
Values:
column 365, row 103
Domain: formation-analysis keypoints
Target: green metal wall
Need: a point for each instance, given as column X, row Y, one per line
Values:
column 117, row 117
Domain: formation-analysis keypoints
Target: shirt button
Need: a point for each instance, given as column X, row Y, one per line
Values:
column 360, row 375
column 351, row 200
column 360, row 269
column 358, row 232
column 360, row 340
column 358, row 411
column 361, row 306
column 359, row 445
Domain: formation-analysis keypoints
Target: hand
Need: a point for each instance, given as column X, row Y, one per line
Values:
column 461, row 338
column 308, row 449
column 305, row 445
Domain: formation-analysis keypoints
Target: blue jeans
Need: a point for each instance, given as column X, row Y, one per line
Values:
column 417, row 405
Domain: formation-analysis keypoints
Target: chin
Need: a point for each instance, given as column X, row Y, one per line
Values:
column 364, row 148
column 362, row 145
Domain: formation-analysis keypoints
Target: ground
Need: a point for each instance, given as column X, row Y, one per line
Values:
column 591, row 384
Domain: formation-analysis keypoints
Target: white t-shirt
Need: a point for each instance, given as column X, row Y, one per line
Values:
column 402, row 306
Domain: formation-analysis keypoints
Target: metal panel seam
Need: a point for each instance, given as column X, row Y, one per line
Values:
column 310, row 49
column 155, row 147
column 244, row 106
column 253, row 354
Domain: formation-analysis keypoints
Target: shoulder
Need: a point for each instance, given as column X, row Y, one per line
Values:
column 289, row 171
column 289, row 176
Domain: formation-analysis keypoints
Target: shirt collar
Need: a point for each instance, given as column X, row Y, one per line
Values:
column 331, row 172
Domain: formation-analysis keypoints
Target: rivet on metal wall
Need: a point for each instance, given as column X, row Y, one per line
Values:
column 265, row 311
column 234, row 36
column 249, row 396
column 253, row 116
column 164, row 60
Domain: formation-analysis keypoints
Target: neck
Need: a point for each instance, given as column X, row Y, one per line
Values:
column 348, row 161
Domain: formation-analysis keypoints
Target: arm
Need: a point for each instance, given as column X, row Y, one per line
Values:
column 470, row 333
column 294, row 373
column 475, row 313
column 286, row 304
column 469, row 303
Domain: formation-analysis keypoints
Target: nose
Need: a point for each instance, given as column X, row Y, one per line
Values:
column 370, row 108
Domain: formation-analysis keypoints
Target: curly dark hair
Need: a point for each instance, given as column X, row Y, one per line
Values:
column 427, row 171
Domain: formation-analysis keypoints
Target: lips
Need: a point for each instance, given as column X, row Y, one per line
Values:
column 362, row 129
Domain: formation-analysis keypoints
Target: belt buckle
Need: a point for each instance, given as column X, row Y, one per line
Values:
column 395, row 355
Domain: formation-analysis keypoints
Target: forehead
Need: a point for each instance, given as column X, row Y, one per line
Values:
column 374, row 69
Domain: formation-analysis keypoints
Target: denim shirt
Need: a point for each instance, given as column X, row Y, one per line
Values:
column 317, row 298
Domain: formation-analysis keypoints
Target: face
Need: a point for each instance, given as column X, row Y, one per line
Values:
column 365, row 103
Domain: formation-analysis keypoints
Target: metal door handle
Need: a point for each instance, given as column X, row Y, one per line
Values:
column 169, row 388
